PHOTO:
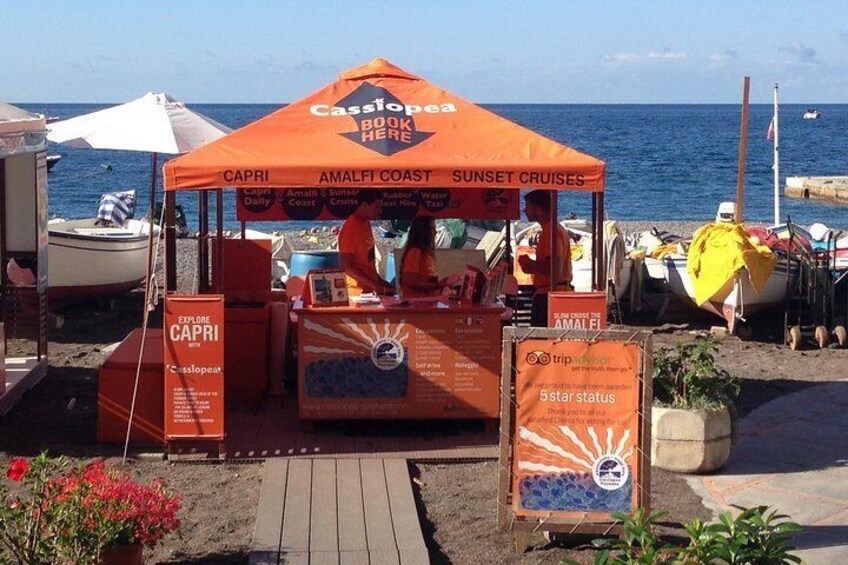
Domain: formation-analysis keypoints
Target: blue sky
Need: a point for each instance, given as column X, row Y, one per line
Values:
column 536, row 52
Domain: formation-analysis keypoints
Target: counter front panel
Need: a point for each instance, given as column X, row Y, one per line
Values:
column 397, row 363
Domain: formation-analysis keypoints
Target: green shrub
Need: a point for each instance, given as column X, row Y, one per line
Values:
column 756, row 536
column 686, row 376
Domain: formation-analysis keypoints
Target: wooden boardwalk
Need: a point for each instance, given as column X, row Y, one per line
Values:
column 272, row 430
column 22, row 373
column 339, row 512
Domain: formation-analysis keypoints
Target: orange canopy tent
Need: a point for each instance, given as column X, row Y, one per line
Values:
column 380, row 127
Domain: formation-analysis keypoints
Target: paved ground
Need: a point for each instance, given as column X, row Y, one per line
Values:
column 792, row 454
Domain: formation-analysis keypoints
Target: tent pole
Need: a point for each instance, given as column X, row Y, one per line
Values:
column 554, row 255
column 594, row 242
column 170, row 242
column 602, row 266
column 203, row 241
column 219, row 224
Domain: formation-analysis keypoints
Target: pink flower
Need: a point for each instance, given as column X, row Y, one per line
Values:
column 18, row 469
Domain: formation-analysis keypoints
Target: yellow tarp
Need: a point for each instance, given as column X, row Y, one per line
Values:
column 718, row 252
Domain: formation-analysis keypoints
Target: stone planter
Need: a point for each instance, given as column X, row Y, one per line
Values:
column 690, row 441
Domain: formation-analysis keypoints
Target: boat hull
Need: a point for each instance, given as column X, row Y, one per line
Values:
column 85, row 262
column 737, row 299
column 581, row 277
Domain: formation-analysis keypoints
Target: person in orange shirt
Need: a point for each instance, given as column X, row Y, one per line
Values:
column 356, row 247
column 418, row 275
column 537, row 207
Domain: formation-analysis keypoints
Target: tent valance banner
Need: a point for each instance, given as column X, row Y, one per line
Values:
column 379, row 126
column 319, row 204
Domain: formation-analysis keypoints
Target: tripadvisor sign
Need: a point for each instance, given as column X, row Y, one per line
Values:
column 384, row 123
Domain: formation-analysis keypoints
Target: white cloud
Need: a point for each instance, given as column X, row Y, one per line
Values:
column 667, row 54
column 723, row 56
column 622, row 58
column 801, row 53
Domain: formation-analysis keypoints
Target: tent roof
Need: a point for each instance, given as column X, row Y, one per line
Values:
column 379, row 126
column 16, row 120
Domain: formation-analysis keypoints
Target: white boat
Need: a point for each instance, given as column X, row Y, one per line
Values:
column 812, row 114
column 737, row 299
column 88, row 260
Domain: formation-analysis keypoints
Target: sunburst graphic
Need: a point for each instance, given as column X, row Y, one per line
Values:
column 563, row 470
column 347, row 359
column 357, row 341
column 561, row 449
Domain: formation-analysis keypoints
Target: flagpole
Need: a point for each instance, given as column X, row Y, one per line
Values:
column 743, row 147
column 776, row 161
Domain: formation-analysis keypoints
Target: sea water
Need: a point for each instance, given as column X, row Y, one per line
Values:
column 664, row 162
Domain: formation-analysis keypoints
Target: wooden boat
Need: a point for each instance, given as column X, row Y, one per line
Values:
column 737, row 299
column 88, row 260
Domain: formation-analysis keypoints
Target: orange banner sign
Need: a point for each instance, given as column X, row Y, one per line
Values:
column 268, row 204
column 576, row 428
column 440, row 364
column 194, row 367
column 577, row 310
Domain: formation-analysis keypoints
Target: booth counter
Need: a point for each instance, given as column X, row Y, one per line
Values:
column 404, row 362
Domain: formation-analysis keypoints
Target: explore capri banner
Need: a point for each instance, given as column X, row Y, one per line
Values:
column 194, row 367
column 576, row 436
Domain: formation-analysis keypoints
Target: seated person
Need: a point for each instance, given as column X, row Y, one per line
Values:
column 356, row 247
column 418, row 275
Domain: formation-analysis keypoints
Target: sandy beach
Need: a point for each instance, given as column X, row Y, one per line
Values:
column 456, row 501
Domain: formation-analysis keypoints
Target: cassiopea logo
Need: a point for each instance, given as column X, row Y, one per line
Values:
column 387, row 354
column 610, row 472
column 384, row 123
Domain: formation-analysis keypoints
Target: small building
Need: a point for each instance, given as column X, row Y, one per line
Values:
column 23, row 252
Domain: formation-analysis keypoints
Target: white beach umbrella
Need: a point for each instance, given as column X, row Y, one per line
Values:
column 155, row 123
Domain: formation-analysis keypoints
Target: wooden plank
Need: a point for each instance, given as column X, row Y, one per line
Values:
column 414, row 556
column 324, row 558
column 505, row 437
column 384, row 557
column 324, row 532
column 405, row 521
column 269, row 515
column 294, row 558
column 375, row 498
column 354, row 558
column 351, row 512
column 296, row 511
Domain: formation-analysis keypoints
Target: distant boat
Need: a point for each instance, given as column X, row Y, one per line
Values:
column 812, row 114
column 52, row 160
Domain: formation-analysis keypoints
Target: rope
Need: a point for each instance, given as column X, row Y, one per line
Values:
column 151, row 293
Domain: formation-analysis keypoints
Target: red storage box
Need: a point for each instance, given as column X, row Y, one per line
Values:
column 247, row 266
column 115, row 391
column 245, row 352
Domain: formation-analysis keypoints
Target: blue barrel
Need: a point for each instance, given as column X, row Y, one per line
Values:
column 390, row 268
column 304, row 261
